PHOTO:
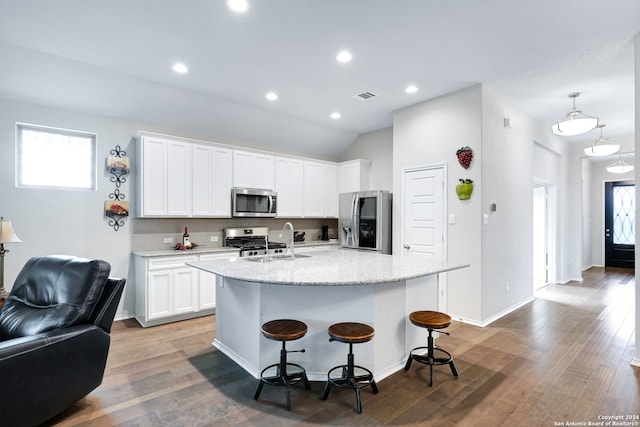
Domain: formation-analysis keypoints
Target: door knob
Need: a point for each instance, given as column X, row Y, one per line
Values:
column 407, row 246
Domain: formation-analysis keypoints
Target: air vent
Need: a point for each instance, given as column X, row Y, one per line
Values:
column 364, row 96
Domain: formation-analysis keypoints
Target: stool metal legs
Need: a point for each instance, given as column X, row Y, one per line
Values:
column 431, row 359
column 348, row 379
column 282, row 377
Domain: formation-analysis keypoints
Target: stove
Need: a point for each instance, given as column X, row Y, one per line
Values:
column 252, row 241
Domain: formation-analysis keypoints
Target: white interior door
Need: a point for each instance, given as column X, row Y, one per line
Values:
column 540, row 238
column 423, row 213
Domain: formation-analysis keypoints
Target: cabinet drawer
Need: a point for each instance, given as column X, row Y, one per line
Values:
column 169, row 262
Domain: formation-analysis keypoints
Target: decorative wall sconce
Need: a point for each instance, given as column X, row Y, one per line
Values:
column 117, row 209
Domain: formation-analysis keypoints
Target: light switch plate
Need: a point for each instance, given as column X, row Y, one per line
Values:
column 452, row 218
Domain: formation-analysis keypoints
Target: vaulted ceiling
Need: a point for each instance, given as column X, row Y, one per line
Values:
column 114, row 57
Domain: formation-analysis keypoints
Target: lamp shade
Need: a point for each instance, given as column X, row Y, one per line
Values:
column 7, row 235
column 602, row 146
column 575, row 122
column 619, row 167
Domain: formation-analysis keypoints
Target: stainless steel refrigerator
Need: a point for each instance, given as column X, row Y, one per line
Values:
column 365, row 221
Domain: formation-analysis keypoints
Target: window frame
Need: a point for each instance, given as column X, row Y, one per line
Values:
column 60, row 131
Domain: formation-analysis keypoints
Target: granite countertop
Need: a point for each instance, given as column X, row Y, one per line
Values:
column 202, row 249
column 326, row 268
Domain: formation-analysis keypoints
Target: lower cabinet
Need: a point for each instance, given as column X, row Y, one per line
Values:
column 167, row 290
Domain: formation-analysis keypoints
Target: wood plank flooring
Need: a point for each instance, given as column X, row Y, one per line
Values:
column 563, row 358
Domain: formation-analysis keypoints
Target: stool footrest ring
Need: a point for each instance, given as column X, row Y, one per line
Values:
column 283, row 378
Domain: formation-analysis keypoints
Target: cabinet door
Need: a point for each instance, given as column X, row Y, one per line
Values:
column 289, row 185
column 178, row 174
column 207, row 282
column 330, row 206
column 153, row 180
column 264, row 171
column 185, row 286
column 354, row 176
column 211, row 175
column 243, row 169
column 160, row 297
column 313, row 193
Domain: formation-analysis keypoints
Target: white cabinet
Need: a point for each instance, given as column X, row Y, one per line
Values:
column 165, row 177
column 211, row 173
column 289, row 186
column 208, row 282
column 313, row 193
column 320, row 196
column 253, row 170
column 182, row 179
column 168, row 290
column 353, row 175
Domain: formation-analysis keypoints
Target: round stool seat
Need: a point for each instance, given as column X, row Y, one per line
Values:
column 430, row 319
column 284, row 329
column 350, row 332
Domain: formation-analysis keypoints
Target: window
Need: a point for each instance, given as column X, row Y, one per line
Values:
column 624, row 215
column 55, row 158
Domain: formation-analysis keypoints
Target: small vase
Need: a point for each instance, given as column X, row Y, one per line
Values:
column 464, row 191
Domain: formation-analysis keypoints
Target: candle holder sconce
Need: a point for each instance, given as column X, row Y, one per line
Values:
column 116, row 208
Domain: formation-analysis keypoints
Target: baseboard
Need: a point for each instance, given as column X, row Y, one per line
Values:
column 636, row 361
column 494, row 317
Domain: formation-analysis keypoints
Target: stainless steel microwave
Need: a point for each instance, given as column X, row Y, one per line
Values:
column 254, row 202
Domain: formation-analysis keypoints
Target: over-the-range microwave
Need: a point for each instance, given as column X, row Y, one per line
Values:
column 254, row 202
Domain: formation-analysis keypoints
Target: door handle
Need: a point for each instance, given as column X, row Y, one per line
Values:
column 407, row 246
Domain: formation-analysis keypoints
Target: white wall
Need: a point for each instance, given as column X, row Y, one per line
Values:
column 429, row 134
column 504, row 167
column 376, row 146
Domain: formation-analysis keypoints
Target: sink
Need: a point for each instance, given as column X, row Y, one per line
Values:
column 279, row 257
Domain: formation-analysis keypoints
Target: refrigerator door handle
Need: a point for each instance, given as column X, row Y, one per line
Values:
column 355, row 218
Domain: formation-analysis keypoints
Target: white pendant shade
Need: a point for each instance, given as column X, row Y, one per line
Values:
column 7, row 235
column 619, row 167
column 602, row 146
column 575, row 122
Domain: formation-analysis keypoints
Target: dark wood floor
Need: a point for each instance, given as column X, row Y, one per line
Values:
column 564, row 357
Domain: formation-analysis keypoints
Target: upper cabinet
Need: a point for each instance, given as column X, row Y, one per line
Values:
column 211, row 181
column 253, row 170
column 353, row 175
column 181, row 179
column 289, row 186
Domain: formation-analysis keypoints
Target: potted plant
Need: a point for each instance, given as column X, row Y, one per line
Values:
column 464, row 189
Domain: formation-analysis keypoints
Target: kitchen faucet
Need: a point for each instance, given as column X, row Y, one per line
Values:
column 293, row 255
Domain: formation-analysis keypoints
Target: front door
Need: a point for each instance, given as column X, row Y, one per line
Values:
column 619, row 224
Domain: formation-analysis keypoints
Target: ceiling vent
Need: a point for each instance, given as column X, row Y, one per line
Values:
column 364, row 96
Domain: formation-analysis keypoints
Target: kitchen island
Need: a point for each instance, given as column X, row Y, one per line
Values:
column 324, row 288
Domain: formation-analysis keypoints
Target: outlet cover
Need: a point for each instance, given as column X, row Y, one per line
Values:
column 168, row 239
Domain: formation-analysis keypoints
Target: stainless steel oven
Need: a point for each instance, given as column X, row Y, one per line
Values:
column 254, row 202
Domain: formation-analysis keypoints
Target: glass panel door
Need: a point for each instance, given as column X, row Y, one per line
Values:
column 367, row 224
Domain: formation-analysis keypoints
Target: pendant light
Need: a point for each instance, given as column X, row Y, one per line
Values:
column 602, row 146
column 619, row 166
column 575, row 123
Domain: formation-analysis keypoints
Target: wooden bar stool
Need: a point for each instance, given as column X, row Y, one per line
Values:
column 350, row 333
column 283, row 330
column 431, row 320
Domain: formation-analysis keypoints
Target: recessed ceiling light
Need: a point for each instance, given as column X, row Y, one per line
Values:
column 180, row 68
column 271, row 96
column 336, row 115
column 411, row 89
column 344, row 56
column 239, row 6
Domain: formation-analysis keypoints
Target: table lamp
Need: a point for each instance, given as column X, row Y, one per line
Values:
column 7, row 235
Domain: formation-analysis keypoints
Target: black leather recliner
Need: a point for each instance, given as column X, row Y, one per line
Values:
column 54, row 336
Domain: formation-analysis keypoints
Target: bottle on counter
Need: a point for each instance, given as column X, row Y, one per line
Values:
column 185, row 238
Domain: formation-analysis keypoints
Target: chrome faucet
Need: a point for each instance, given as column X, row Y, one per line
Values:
column 293, row 255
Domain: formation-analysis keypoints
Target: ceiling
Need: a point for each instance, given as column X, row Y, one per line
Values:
column 114, row 58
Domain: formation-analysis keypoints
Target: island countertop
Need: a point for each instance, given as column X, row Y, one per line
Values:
column 338, row 267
